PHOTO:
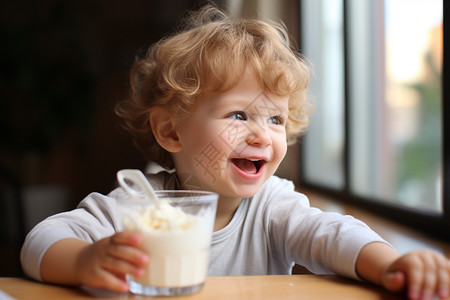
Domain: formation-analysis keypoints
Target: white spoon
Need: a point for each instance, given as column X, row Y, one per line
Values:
column 129, row 177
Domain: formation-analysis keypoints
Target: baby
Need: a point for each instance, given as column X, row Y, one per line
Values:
column 217, row 104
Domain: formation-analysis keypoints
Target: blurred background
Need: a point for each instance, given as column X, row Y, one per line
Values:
column 63, row 66
column 376, row 134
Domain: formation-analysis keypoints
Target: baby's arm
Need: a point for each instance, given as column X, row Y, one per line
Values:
column 100, row 264
column 423, row 273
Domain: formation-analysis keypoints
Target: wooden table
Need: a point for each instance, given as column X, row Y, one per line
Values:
column 216, row 288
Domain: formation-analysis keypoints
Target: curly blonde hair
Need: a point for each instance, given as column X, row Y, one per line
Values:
column 210, row 54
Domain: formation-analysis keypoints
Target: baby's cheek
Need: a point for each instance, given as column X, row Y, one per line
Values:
column 280, row 149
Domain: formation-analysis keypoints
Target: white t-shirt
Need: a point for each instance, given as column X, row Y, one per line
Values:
column 268, row 234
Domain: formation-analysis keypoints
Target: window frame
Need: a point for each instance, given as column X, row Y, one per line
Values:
column 430, row 223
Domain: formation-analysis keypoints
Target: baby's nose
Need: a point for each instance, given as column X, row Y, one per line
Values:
column 258, row 135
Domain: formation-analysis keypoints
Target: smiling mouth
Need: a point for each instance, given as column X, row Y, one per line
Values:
column 248, row 165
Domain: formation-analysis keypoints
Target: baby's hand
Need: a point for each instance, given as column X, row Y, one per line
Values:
column 106, row 262
column 424, row 273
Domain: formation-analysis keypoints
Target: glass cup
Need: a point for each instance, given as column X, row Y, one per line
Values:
column 177, row 238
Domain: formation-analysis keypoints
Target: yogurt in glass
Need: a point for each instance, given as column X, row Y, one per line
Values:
column 177, row 236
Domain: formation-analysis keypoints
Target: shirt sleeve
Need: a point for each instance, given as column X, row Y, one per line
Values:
column 95, row 217
column 323, row 242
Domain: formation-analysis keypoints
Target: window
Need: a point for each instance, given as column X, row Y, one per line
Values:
column 377, row 136
column 323, row 45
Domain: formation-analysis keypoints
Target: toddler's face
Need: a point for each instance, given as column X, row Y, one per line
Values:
column 234, row 141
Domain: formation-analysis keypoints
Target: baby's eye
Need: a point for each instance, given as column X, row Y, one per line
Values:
column 277, row 120
column 237, row 116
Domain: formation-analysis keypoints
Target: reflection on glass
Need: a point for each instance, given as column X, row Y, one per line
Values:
column 395, row 94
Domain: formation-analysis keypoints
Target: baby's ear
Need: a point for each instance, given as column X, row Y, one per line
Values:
column 164, row 129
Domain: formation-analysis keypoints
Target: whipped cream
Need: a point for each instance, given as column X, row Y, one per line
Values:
column 161, row 217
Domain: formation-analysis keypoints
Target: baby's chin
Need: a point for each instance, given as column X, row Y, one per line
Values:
column 246, row 192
